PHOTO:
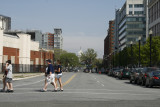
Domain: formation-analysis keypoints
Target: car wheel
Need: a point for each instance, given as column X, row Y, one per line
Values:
column 150, row 85
column 146, row 84
column 138, row 82
column 142, row 84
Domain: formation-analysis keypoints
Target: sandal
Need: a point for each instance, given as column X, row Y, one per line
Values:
column 43, row 90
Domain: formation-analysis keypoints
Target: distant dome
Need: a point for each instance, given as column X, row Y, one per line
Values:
column 80, row 52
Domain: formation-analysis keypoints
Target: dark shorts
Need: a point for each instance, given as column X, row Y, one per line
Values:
column 8, row 80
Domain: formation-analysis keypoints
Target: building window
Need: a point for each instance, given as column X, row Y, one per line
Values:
column 138, row 5
column 130, row 12
column 130, row 6
column 138, row 12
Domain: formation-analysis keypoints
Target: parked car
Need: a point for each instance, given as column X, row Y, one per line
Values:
column 116, row 72
column 153, row 78
column 134, row 74
column 125, row 73
column 142, row 75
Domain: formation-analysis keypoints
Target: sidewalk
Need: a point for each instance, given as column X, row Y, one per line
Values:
column 20, row 76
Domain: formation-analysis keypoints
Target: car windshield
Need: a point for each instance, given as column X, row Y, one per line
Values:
column 157, row 73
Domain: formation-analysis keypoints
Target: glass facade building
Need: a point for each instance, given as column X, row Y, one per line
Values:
column 131, row 23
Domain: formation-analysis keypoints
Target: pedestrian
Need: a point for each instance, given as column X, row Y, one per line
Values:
column 49, row 77
column 9, row 76
column 59, row 74
column 4, row 80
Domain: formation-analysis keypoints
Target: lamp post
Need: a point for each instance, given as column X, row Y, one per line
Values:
column 150, row 34
column 139, row 39
column 113, row 59
column 131, row 53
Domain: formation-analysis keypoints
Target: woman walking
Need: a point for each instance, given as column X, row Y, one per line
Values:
column 59, row 75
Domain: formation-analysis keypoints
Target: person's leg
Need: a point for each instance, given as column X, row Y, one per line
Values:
column 8, row 88
column 53, row 81
column 11, row 86
column 4, row 83
column 45, row 86
column 60, row 82
column 56, row 81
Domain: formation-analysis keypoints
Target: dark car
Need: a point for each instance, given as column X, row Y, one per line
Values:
column 153, row 78
column 142, row 76
column 134, row 74
column 125, row 73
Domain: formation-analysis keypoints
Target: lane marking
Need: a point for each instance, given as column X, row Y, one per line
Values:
column 69, row 80
column 102, row 85
column 29, row 83
column 43, row 80
column 91, row 93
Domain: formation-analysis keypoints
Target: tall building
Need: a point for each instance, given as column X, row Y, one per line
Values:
column 109, row 44
column 130, row 23
column 58, row 39
column 154, row 16
column 48, row 41
column 5, row 23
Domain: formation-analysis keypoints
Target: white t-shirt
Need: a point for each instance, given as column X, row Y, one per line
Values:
column 9, row 69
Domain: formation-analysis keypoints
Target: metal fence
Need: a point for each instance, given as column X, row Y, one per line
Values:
column 21, row 68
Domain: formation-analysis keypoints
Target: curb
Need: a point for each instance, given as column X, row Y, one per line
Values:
column 16, row 79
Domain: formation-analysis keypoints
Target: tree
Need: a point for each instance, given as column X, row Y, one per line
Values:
column 57, row 53
column 88, row 57
column 69, row 59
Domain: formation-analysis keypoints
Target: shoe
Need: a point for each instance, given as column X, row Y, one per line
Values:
column 2, row 90
column 43, row 90
column 54, row 91
column 7, row 91
column 11, row 91
column 61, row 89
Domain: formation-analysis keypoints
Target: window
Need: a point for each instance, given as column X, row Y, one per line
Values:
column 138, row 5
column 138, row 12
column 130, row 5
column 130, row 12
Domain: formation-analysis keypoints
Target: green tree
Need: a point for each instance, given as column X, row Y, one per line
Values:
column 69, row 59
column 155, row 50
column 57, row 53
column 89, row 57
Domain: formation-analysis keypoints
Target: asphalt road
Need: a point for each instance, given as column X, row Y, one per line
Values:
column 81, row 90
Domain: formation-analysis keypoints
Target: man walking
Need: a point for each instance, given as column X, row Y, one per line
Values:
column 49, row 76
column 9, row 76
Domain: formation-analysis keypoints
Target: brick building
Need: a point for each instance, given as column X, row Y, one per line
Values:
column 25, row 54
column 109, row 44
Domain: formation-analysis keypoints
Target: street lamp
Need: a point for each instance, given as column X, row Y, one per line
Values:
column 139, row 50
column 150, row 34
column 131, row 52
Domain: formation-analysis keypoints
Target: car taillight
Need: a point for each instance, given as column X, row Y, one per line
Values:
column 155, row 77
column 145, row 75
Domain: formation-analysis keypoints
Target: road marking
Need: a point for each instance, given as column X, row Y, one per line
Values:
column 102, row 85
column 29, row 83
column 90, row 93
column 69, row 80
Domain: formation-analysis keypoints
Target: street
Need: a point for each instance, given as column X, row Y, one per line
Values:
column 81, row 89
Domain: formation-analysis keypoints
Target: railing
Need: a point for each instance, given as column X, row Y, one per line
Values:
column 21, row 68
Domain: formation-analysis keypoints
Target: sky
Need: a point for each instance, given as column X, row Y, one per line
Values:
column 84, row 23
